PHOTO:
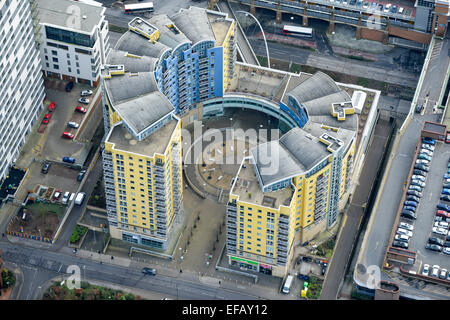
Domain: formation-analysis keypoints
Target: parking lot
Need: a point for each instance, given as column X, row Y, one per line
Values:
column 426, row 211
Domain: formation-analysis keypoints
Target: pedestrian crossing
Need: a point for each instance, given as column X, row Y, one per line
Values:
column 436, row 50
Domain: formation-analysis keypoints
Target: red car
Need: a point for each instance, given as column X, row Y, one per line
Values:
column 67, row 135
column 447, row 138
column 47, row 118
column 80, row 109
column 52, row 106
column 442, row 213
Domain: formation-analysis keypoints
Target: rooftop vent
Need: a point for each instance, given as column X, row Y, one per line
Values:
column 84, row 17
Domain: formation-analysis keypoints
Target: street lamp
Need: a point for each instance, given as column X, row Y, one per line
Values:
column 264, row 36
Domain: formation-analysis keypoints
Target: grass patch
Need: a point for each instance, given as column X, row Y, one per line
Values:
column 45, row 207
column 78, row 233
column 86, row 292
column 326, row 248
column 295, row 68
column 118, row 29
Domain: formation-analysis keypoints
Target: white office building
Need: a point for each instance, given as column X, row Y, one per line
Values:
column 74, row 40
column 21, row 84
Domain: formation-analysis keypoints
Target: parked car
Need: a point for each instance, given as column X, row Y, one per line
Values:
column 445, row 191
column 442, row 206
column 47, row 118
column 441, row 224
column 406, row 226
column 366, row 5
column 68, row 159
column 447, row 137
column 67, row 135
column 433, row 247
column 442, row 213
column 428, row 146
column 57, row 194
column 83, row 100
column 52, row 106
column 419, row 108
column 150, row 271
column 400, row 10
column 65, row 197
column 69, row 86
column 45, row 167
column 394, row 9
column 387, row 8
column 422, row 167
column 420, row 173
column 441, row 231
column 412, row 209
column 427, row 152
column 428, row 141
column 401, row 237
column 424, row 157
column 81, row 175
column 446, row 185
column 418, row 177
column 446, row 250
column 85, row 93
column 72, row 124
column 435, row 271
column 418, row 183
column 422, row 161
column 352, row 2
column 411, row 204
column 80, row 109
column 447, row 177
column 446, row 244
column 443, row 274
column 380, row 7
column 412, row 198
column 416, row 188
column 408, row 215
column 405, row 232
column 374, row 6
column 426, row 270
column 439, row 219
column 400, row 244
column 434, row 240
column 414, row 193
column 445, row 197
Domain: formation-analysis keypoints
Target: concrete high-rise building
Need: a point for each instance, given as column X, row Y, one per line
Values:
column 75, row 41
column 21, row 84
column 288, row 190
column 162, row 67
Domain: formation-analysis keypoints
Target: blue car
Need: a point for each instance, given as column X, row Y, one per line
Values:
column 442, row 206
column 446, row 191
column 447, row 176
column 409, row 208
column 68, row 159
column 411, row 203
column 428, row 141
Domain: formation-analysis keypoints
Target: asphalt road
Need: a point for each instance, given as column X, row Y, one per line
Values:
column 335, row 64
column 40, row 265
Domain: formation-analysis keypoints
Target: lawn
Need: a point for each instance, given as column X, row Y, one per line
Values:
column 78, row 233
column 86, row 292
column 326, row 248
column 314, row 288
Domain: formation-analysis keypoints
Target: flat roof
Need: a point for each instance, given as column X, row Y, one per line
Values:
column 155, row 143
column 248, row 189
column 58, row 13
column 434, row 127
column 220, row 25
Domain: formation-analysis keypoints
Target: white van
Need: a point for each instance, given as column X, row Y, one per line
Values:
column 79, row 199
column 287, row 284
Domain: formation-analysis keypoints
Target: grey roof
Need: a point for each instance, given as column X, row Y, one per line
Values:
column 322, row 105
column 132, row 64
column 350, row 123
column 170, row 37
column 318, row 85
column 294, row 153
column 57, row 13
column 194, row 23
column 342, row 134
column 140, row 45
column 141, row 112
column 130, row 86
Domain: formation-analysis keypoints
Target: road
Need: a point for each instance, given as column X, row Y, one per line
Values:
column 382, row 218
column 335, row 63
column 40, row 265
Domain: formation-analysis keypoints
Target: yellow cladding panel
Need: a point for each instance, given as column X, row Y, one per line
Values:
column 308, row 198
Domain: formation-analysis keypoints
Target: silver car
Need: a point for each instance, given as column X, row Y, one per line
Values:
column 418, row 183
column 417, row 177
column 427, row 152
column 83, row 100
column 435, row 271
column 426, row 270
column 406, row 226
column 72, row 124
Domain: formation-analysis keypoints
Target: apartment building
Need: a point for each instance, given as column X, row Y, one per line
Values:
column 74, row 40
column 288, row 190
column 21, row 84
